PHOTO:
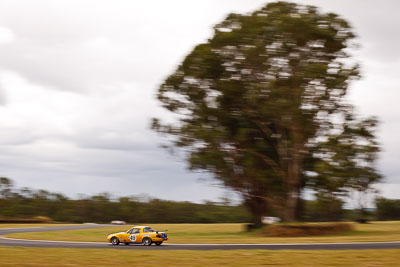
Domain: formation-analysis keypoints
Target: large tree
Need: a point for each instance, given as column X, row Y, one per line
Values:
column 255, row 99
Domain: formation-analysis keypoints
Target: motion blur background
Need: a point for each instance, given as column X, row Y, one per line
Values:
column 78, row 82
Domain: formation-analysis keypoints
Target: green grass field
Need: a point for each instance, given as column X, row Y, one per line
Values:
column 43, row 257
column 225, row 233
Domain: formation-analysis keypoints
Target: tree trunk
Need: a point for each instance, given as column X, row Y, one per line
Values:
column 258, row 208
column 291, row 212
column 293, row 185
column 300, row 210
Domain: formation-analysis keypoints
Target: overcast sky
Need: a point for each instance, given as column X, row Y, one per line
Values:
column 78, row 82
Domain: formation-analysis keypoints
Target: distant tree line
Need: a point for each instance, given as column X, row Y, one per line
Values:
column 102, row 208
column 387, row 209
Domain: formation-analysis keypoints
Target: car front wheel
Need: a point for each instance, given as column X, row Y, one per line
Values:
column 146, row 241
column 115, row 241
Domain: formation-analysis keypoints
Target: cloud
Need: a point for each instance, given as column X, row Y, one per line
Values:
column 78, row 82
column 6, row 35
column 2, row 96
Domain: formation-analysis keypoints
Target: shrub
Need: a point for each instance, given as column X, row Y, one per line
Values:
column 295, row 230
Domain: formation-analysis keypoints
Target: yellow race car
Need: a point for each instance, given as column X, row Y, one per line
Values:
column 138, row 234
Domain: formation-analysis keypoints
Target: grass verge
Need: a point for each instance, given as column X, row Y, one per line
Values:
column 43, row 257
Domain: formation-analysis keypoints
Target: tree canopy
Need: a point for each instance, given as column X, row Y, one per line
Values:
column 255, row 102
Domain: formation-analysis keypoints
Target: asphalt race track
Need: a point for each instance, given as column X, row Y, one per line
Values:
column 168, row 246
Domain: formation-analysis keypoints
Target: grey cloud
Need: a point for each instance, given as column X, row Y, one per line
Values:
column 79, row 53
column 118, row 173
column 113, row 55
column 375, row 24
column 2, row 96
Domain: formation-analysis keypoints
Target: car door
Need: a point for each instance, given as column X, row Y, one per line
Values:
column 139, row 236
column 134, row 235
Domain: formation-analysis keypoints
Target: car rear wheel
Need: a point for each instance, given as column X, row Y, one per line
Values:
column 115, row 241
column 146, row 241
column 158, row 243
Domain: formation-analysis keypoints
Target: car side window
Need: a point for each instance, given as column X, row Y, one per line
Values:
column 134, row 231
